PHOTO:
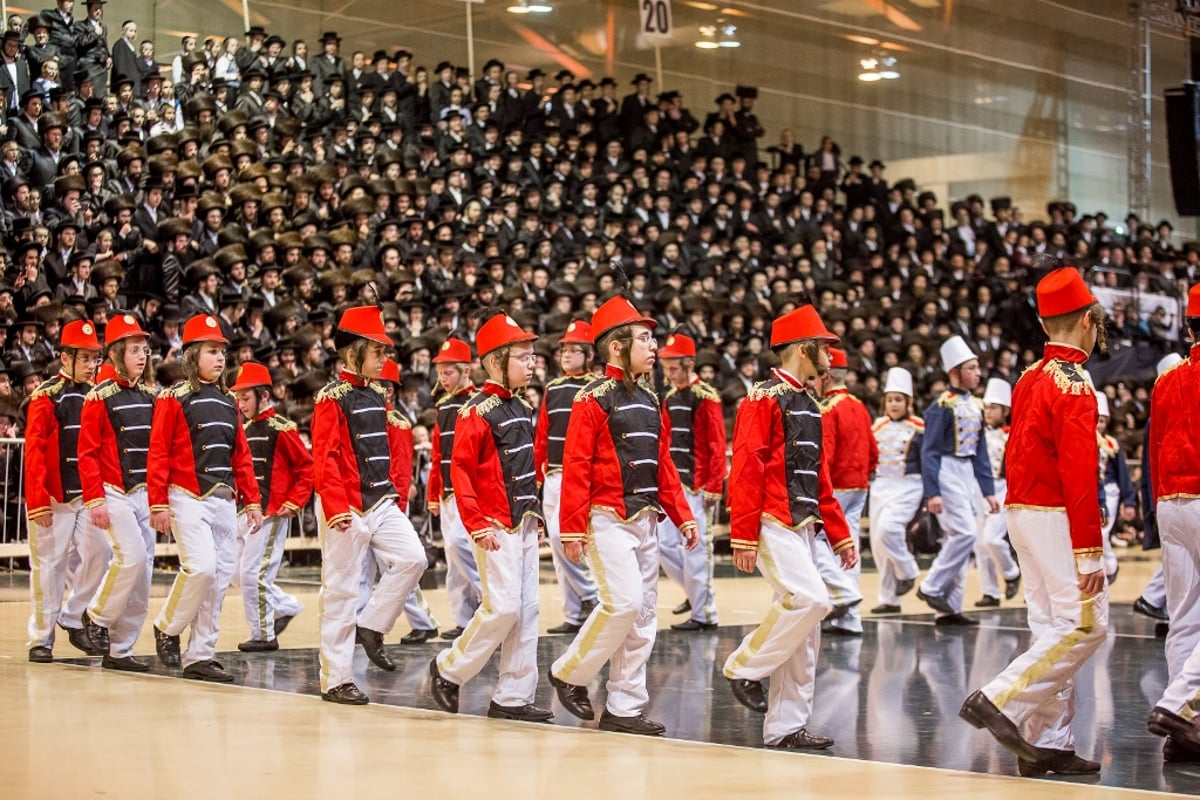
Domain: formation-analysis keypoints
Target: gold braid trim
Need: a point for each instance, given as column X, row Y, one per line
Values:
column 106, row 389
column 281, row 423
column 49, row 388
column 705, row 392
column 765, row 390
column 597, row 388
column 398, row 420
column 1068, row 376
column 335, row 390
column 483, row 406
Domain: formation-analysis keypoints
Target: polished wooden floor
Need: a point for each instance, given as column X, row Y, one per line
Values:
column 74, row 731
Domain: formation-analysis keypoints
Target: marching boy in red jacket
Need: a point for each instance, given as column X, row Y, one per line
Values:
column 1054, row 525
column 198, row 470
column 779, row 492
column 53, row 497
column 283, row 468
column 495, row 485
column 359, row 508
column 618, row 480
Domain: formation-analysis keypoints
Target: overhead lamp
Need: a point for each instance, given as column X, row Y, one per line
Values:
column 709, row 38
column 870, row 71
column 887, row 68
column 728, row 34
column 530, row 7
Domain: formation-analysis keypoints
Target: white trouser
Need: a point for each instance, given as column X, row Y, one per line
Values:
column 387, row 533
column 54, row 573
column 462, row 575
column 843, row 583
column 259, row 557
column 784, row 646
column 993, row 556
column 123, row 599
column 960, row 490
column 1112, row 504
column 622, row 628
column 416, row 609
column 894, row 502
column 575, row 580
column 1155, row 592
column 507, row 618
column 1037, row 690
column 693, row 569
column 1179, row 529
column 205, row 532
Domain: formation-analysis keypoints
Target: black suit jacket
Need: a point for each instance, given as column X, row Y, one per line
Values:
column 125, row 64
column 23, row 81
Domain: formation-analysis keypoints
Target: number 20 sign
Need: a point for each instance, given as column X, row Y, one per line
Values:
column 655, row 17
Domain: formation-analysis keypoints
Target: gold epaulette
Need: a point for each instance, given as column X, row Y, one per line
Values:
column 880, row 422
column 483, row 406
column 281, row 423
column 181, row 389
column 379, row 388
column 597, row 388
column 826, row 404
column 1028, row 370
column 104, row 389
column 49, row 388
column 947, row 399
column 706, row 392
column 334, row 390
column 766, row 389
column 1068, row 376
column 446, row 398
column 398, row 420
column 1108, row 444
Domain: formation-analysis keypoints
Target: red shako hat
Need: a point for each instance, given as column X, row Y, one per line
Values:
column 500, row 331
column 837, row 358
column 251, row 375
column 578, row 332
column 1061, row 292
column 678, row 345
column 365, row 322
column 122, row 326
column 453, row 351
column 202, row 328
column 795, row 326
column 614, row 313
column 79, row 334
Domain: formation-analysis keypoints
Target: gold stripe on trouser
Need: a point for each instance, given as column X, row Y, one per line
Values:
column 110, row 577
column 767, row 564
column 180, row 579
column 485, row 606
column 1038, row 668
column 424, row 606
column 594, row 625
column 35, row 577
column 263, row 566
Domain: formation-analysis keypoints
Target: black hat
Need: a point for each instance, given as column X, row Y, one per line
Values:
column 535, row 73
column 749, row 92
column 330, row 36
column 723, row 96
column 641, row 77
column 564, row 74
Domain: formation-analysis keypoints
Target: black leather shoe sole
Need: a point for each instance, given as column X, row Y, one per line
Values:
column 936, row 603
column 981, row 712
column 955, row 621
column 372, row 645
column 41, row 655
column 281, row 625
column 527, row 713
column 79, row 640
column 802, row 740
column 258, row 646
column 573, row 698
column 1140, row 606
column 445, row 693
column 1012, row 588
column 1056, row 762
column 167, row 648
column 419, row 636
column 452, row 634
column 345, row 695
column 682, row 608
column 885, row 609
column 987, row 602
column 751, row 694
column 1164, row 723
column 96, row 635
column 904, row 586
column 694, row 625
column 639, row 726
column 566, row 627
column 126, row 664
column 204, row 671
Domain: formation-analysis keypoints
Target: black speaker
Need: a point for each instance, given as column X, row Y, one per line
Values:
column 1183, row 137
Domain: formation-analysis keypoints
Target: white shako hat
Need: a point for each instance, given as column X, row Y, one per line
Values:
column 899, row 380
column 1166, row 362
column 1102, row 405
column 998, row 392
column 955, row 352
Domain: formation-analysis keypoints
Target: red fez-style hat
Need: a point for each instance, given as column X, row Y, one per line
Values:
column 79, row 335
column 678, row 345
column 500, row 331
column 837, row 358
column 390, row 372
column 365, row 322
column 202, row 328
column 1061, row 292
column 578, row 332
column 1193, row 307
column 795, row 326
column 122, row 326
column 453, row 351
column 251, row 375
column 614, row 313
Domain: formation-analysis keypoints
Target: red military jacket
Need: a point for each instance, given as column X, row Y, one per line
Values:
column 849, row 443
column 400, row 443
column 1052, row 459
column 1174, row 454
column 617, row 458
column 197, row 445
column 282, row 464
column 696, row 423
column 114, row 441
column 440, row 483
column 779, row 468
column 353, row 468
column 52, row 427
column 495, row 481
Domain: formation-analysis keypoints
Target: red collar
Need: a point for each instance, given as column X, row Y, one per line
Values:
column 267, row 414
column 352, row 379
column 837, row 391
column 788, row 377
column 470, row 387
column 491, row 387
column 1065, row 352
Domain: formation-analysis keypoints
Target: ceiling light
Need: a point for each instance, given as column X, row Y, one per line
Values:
column 887, row 69
column 530, row 7
column 869, row 77
column 709, row 38
column 728, row 35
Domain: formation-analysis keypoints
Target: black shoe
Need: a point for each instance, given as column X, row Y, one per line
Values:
column 884, row 608
column 936, row 602
column 372, row 642
column 839, row 611
column 453, row 633
column 96, row 635
column 981, row 712
column 1161, row 629
column 209, row 671
column 834, row 630
column 79, row 640
column 525, row 713
column 1141, row 606
column 1113, row 577
column 1058, row 762
column 955, row 621
column 259, row 646
column 167, row 648
column 1178, row 753
column 987, row 601
column 445, row 693
column 751, row 694
column 419, row 636
column 573, row 697
column 682, row 608
column 1011, row 588
column 694, row 625
column 566, row 627
column 41, row 655
column 281, row 624
column 586, row 608
column 638, row 725
column 347, row 695
column 1165, row 723
column 124, row 664
column 904, row 586
column 802, row 740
